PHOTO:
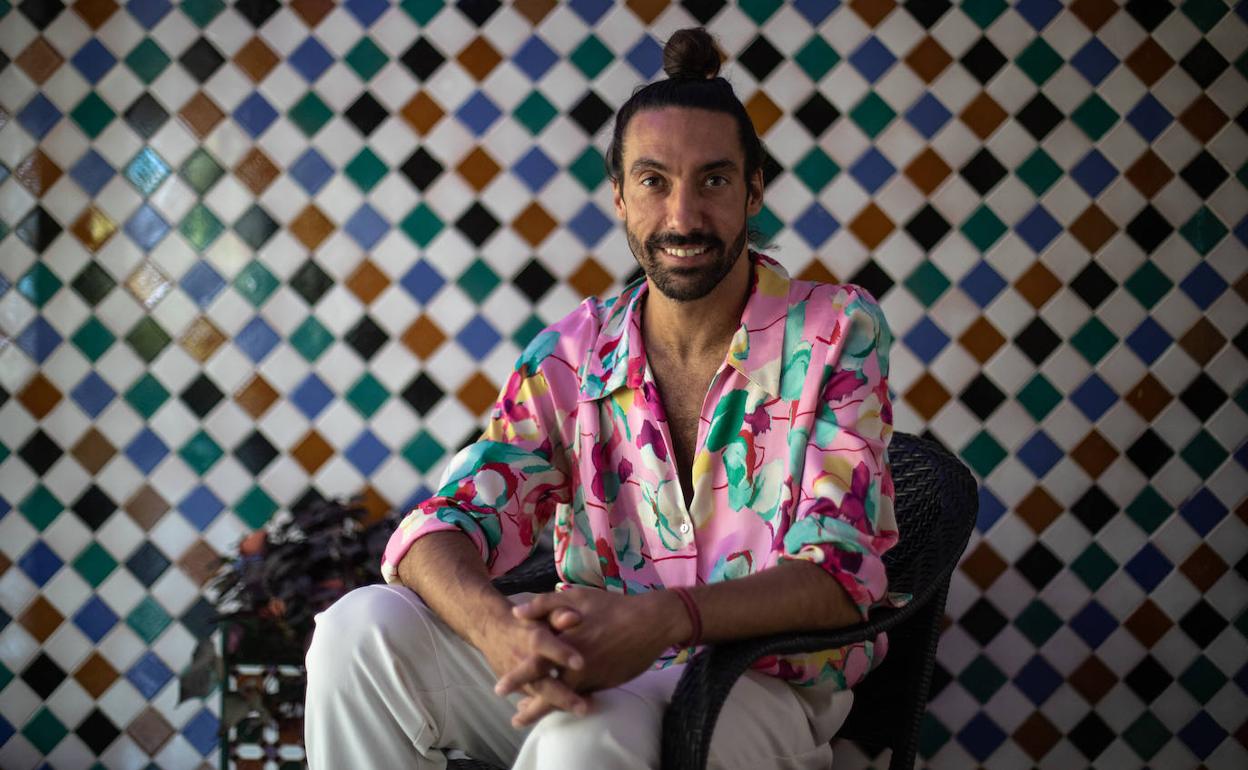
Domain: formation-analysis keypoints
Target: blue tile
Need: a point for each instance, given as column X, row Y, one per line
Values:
column 1039, row 454
column 1038, row 680
column 982, row 284
column 590, row 11
column 1241, row 231
column 928, row 115
column 201, row 507
column 93, row 61
column 646, row 57
column 478, row 113
column 872, row 59
column 40, row 563
column 816, row 11
column 38, row 116
column 366, row 453
column 478, row 337
column 7, row 731
column 1204, row 285
column 93, row 394
column 149, row 675
column 146, row 228
column 202, row 283
column 92, row 172
column 1093, row 397
column 311, row 171
column 981, row 736
column 589, row 225
column 1038, row 229
column 255, row 114
column 1149, row 340
column 39, row 339
column 310, row 59
column 534, row 58
column 1202, row 735
column 1038, row 13
column 816, row 225
column 95, row 619
column 146, row 450
column 1203, row 511
column 926, row 340
column 1148, row 567
column 422, row 282
column 311, row 396
column 1094, row 172
column 990, row 509
column 257, row 339
column 149, row 12
column 201, row 732
column 535, row 169
column 146, row 171
column 1094, row 61
column 872, row 170
column 421, row 494
column 1149, row 118
column 1093, row 624
column 366, row 227
column 367, row 11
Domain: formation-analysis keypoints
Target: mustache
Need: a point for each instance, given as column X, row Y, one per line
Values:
column 677, row 240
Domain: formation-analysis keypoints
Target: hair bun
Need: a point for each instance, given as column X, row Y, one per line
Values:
column 691, row 54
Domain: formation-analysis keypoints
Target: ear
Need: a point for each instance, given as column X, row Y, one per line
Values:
column 617, row 197
column 754, row 193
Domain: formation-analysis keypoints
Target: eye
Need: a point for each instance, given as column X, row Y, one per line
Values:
column 716, row 180
column 650, row 181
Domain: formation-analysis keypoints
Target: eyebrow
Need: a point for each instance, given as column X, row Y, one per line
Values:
column 643, row 164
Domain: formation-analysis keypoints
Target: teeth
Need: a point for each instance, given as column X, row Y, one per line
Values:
column 685, row 252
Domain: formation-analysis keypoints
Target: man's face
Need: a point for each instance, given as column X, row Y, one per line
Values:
column 685, row 199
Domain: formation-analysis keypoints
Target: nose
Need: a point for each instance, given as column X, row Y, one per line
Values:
column 684, row 209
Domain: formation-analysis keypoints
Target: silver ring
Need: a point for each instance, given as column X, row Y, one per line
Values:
column 553, row 673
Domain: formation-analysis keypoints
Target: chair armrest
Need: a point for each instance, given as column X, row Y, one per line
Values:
column 535, row 575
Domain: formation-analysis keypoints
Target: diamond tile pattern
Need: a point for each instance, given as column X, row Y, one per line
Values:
column 242, row 242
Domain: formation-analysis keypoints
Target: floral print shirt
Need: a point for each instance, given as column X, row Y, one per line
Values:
column 790, row 462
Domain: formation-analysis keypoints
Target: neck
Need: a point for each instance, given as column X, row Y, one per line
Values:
column 701, row 327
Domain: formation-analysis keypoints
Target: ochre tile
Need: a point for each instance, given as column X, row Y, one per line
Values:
column 1204, row 567
column 981, row 339
column 1149, row 173
column 1037, row 285
column 479, row 58
column 1203, row 341
column 815, row 270
column 1203, row 119
column 201, row 339
column 763, row 112
column 928, row 170
column 201, row 114
column 1037, row 735
column 983, row 115
column 423, row 337
column 374, row 504
column 1148, row 397
column 367, row 281
column 1038, row 509
column 256, row 171
column 93, row 451
column 422, row 113
column 1241, row 287
column 200, row 562
column 256, row 396
column 926, row 396
column 40, row 619
column 590, row 279
column 1093, row 679
column 983, row 565
column 1094, row 13
column 256, row 59
column 312, row 11
column 478, row 168
column 478, row 394
column 646, row 10
column 148, row 285
column 95, row 675
column 39, row 396
column 872, row 226
column 95, row 12
column 93, row 228
column 534, row 224
column 311, row 227
column 1094, row 454
column 146, row 507
column 928, row 59
column 1149, row 61
column 150, row 731
column 1093, row 229
column 37, row 173
column 872, row 11
column 39, row 60
column 535, row 10
column 312, row 451
column 1148, row 623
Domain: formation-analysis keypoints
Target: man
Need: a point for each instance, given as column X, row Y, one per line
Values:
column 711, row 448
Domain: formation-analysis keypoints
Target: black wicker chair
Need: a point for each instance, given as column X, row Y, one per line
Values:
column 937, row 504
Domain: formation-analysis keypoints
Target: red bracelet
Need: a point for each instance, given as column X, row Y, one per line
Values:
column 695, row 617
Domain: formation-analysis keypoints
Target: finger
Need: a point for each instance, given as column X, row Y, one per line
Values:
column 529, row 710
column 546, row 644
column 559, row 696
column 564, row 618
column 538, row 607
column 529, row 670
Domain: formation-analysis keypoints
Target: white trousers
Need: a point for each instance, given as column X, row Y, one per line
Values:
column 392, row 686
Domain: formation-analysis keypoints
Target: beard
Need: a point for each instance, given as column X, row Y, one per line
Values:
column 685, row 284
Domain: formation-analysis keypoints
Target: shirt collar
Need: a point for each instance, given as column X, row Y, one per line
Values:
column 618, row 357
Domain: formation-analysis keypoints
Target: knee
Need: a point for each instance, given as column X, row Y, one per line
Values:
column 366, row 621
column 621, row 731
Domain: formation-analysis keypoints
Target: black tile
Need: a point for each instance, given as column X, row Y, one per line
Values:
column 1149, row 452
column 311, row 282
column 94, row 507
column 93, row 283
column 1204, row 63
column 816, row 114
column 255, row 453
column 940, row 679
column 479, row 11
column 1203, row 396
column 771, row 168
column 146, row 116
column 1242, row 119
column 927, row 12
column 1203, row 623
column 983, row 621
column 534, row 280
column 1148, row 679
column 982, row 397
column 366, row 337
column 200, row 618
column 471, row 437
column 1241, row 566
column 255, row 226
column 40, row 452
column 421, row 169
column 1037, row 340
column 1241, row 340
column 1039, row 116
column 423, row 394
column 477, row 224
column 1204, row 174
column 1038, row 565
column 983, row 60
column 422, row 59
column 928, row 227
column 309, row 498
column 201, row 396
column 366, row 113
column 97, row 731
column 257, row 11
column 1149, row 229
column 1094, row 509
column 41, row 12
column 1149, row 13
column 38, row 229
column 202, row 60
column 1093, row 285
column 760, row 58
column 591, row 113
column 636, row 274
column 873, row 278
column 43, row 675
column 1091, row 736
column 147, row 564
column 703, row 10
column 983, row 171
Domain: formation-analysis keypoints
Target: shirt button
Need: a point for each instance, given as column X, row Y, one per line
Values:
column 684, row 528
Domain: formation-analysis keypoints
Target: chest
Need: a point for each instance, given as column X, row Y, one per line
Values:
column 682, row 390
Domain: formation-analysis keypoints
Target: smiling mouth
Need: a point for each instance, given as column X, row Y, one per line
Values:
column 684, row 253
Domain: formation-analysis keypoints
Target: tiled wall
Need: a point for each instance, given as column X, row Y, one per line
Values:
column 257, row 251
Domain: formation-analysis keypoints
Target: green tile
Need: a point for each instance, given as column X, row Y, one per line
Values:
column 202, row 12
column 423, row 452
column 817, row 58
column 523, row 335
column 983, row 228
column 421, row 225
column 1202, row 679
column 422, row 11
column 589, row 168
column 1204, row 231
column 1094, row 117
column 927, row 283
column 872, row 114
column 6, row 676
column 93, row 339
column 760, row 10
column 816, row 170
column 982, row 679
column 40, row 507
column 1039, row 397
column 366, row 169
column 200, row 453
column 1149, row 509
column 933, row 735
column 92, row 115
column 478, row 281
column 148, row 339
column 310, row 114
column 94, row 564
column 146, row 171
column 534, row 112
column 201, row 171
column 1148, row 285
column 311, row 339
column 148, row 619
column 766, row 224
column 93, row 284
column 367, row 395
column 1242, row 174
column 1039, row 172
column 201, row 227
column 1037, row 622
column 1093, row 340
column 147, row 395
column 1146, row 736
column 1205, row 14
column 983, row 453
column 983, row 12
column 366, row 59
column 1039, row 61
column 39, row 284
column 1204, row 454
column 44, row 731
column 255, row 508
column 591, row 57
column 1094, row 566
column 255, row 283
column 256, row 227
column 1241, row 623
column 147, row 60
